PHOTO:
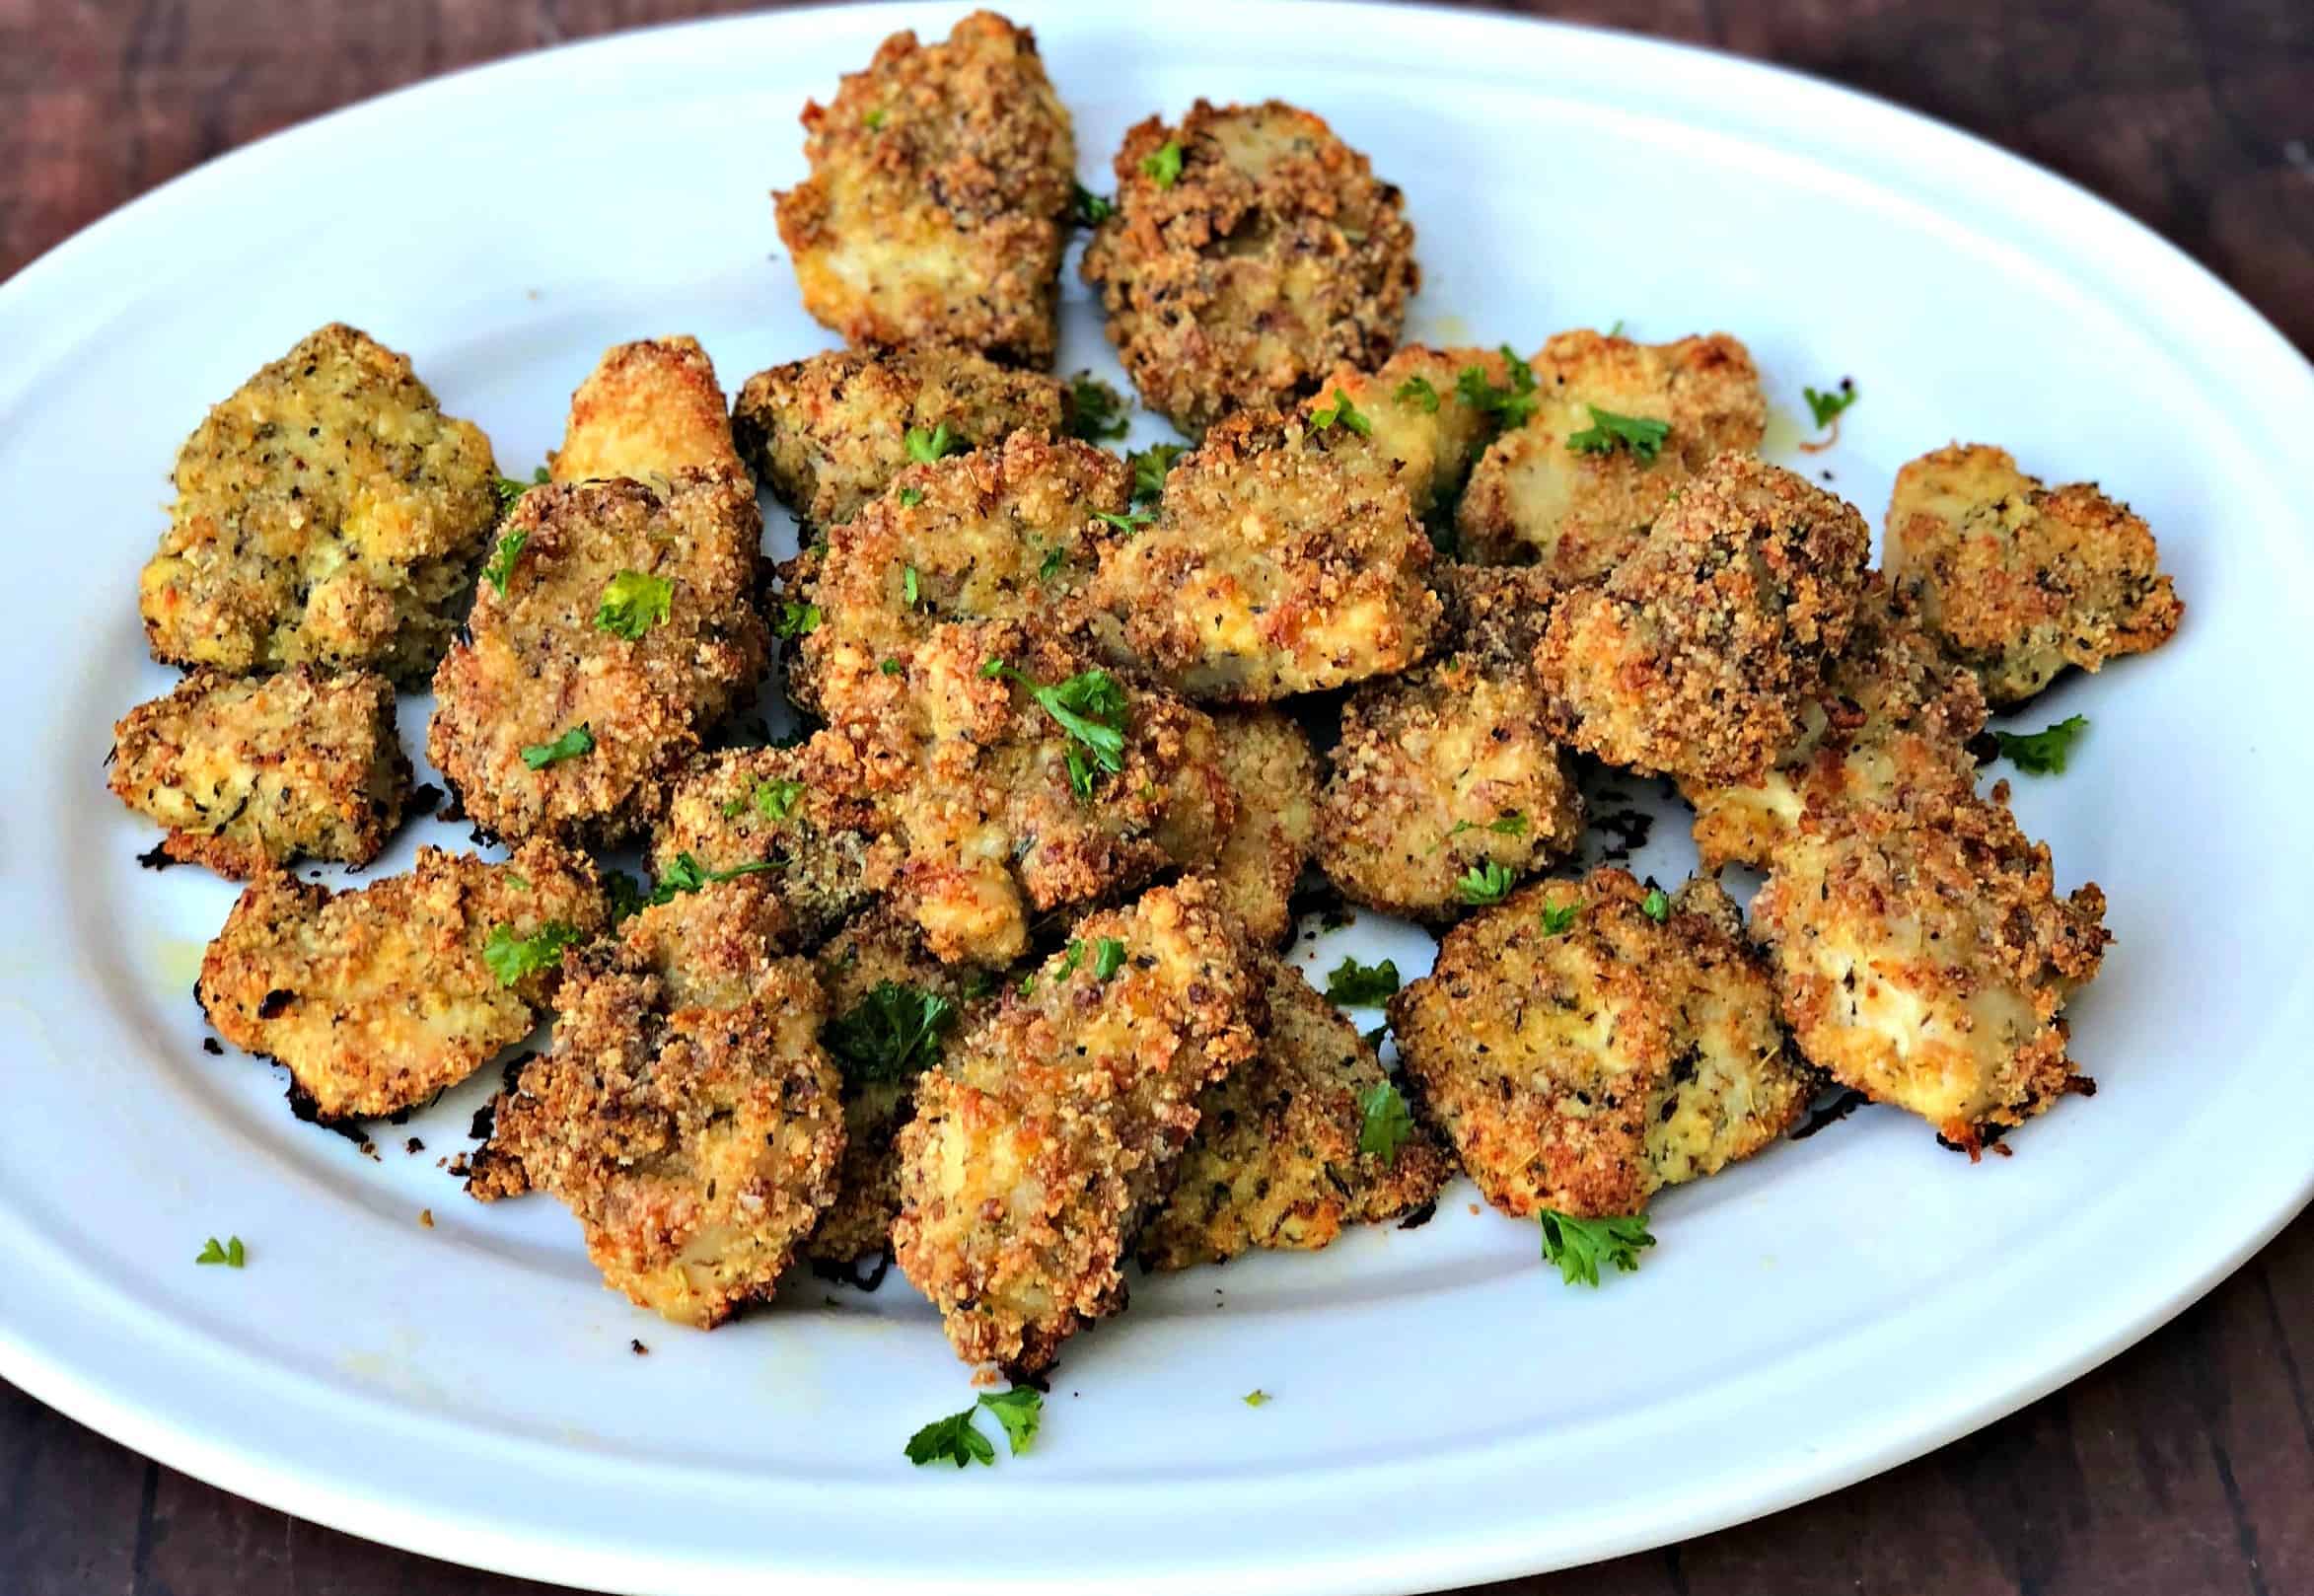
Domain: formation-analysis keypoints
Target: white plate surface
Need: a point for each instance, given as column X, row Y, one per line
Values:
column 1445, row 1411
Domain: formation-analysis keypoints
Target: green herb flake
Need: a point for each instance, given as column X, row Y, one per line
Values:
column 1828, row 406
column 569, row 745
column 1343, row 411
column 634, row 603
column 1108, row 957
column 685, row 875
column 1097, row 412
column 925, row 447
column 910, row 497
column 2043, row 752
column 892, row 1035
column 1130, row 523
column 1020, row 1411
column 911, row 591
column 509, row 491
column 953, row 1440
column 1487, row 883
column 1149, row 467
column 625, row 894
column 1163, row 165
column 1387, row 1122
column 1357, row 985
column 1417, row 391
column 875, row 119
column 1049, row 566
column 1087, row 208
column 1579, row 1246
column 1559, row 921
column 892, row 667
column 1509, row 407
column 1257, row 1398
column 795, row 620
column 228, row 1253
column 1656, row 905
column 1608, row 431
column 775, row 799
column 512, row 958
column 501, row 565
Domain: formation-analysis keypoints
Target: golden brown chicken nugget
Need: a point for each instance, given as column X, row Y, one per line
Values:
column 933, row 212
column 1267, row 760
column 376, row 1000
column 648, row 410
column 2018, row 581
column 1054, row 1128
column 328, row 514
column 247, row 772
column 1418, row 418
column 1249, row 253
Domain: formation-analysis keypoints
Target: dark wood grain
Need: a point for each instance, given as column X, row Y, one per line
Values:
column 2185, row 1465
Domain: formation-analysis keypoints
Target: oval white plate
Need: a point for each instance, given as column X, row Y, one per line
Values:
column 1445, row 1411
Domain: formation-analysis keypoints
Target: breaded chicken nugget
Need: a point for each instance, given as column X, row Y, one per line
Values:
column 1697, row 656
column 328, row 513
column 939, row 179
column 1251, row 252
column 1565, row 491
column 1023, row 775
column 891, row 1010
column 248, row 772
column 1418, row 418
column 2018, row 581
column 376, row 1000
column 1050, row 1132
column 1893, row 722
column 1268, row 760
column 829, row 433
column 1279, row 563
column 1588, row 1042
column 686, row 1114
column 648, row 410
column 1444, row 778
column 800, row 810
column 1277, row 1161
column 1922, row 955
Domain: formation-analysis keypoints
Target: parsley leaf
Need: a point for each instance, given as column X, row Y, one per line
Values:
column 1087, row 208
column 1509, row 407
column 1149, row 467
column 1090, row 707
column 2043, row 752
column 1108, row 958
column 952, row 1440
column 626, row 894
column 1130, row 522
column 925, row 447
column 1163, row 164
column 1608, row 431
column 892, row 667
column 512, row 957
column 1388, row 1122
column 1487, row 883
column 1020, row 1411
column 634, row 603
column 1097, row 413
column 1559, row 921
column 875, row 119
column 795, row 620
column 569, row 745
column 911, row 591
column 1656, row 905
column 1255, row 1397
column 501, row 566
column 892, row 1034
column 1417, row 391
column 1825, row 406
column 1342, row 410
column 775, row 799
column 1049, row 566
column 684, row 875
column 1579, row 1246
column 508, row 491
column 910, row 497
column 1360, row 985
column 231, row 1254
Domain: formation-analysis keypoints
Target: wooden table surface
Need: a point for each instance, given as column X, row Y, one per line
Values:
column 2185, row 1465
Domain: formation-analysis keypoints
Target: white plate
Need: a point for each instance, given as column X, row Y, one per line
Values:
column 1445, row 1411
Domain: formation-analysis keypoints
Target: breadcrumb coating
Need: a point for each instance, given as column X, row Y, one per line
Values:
column 829, row 433
column 2018, row 581
column 1050, row 1132
column 686, row 1112
column 1238, row 275
column 1582, row 1070
column 1699, row 655
column 940, row 177
column 376, row 1000
column 327, row 514
column 1893, row 722
column 1922, row 955
column 246, row 773
column 1447, row 769
column 648, row 410
column 1533, row 499
column 1269, row 766
column 1279, row 562
column 1430, row 435
column 1275, row 1161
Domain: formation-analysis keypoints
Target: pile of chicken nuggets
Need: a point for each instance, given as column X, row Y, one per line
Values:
column 982, row 967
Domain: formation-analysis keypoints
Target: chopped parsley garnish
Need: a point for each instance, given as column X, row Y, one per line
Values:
column 1149, row 467
column 892, row 667
column 1417, row 391
column 925, row 447
column 1097, row 412
column 1559, row 921
column 911, row 591
column 1579, row 1246
column 1342, row 410
column 509, row 490
column 1486, row 883
column 875, row 119
column 1130, row 523
column 501, row 565
column 910, row 497
column 795, row 620
column 775, row 799
column 1049, row 566
column 1608, row 431
column 1090, row 707
column 634, row 603
column 892, row 1034
column 511, row 957
column 1087, row 208
column 956, row 1439
column 1387, row 1123
column 1255, row 1397
column 1020, row 1411
column 2043, row 752
column 569, row 745
column 684, row 875
column 1825, row 406
column 1615, row 332
column 1163, row 164
column 1510, row 406
column 1512, row 824
column 625, row 894
column 1656, row 905
column 1360, row 985
column 228, row 1253
column 1108, row 958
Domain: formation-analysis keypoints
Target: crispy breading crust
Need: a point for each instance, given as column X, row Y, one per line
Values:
column 245, row 773
column 2018, row 581
column 800, row 808
column 933, row 211
column 974, row 774
column 536, row 664
column 1533, row 500
column 1050, row 1132
column 1583, row 1070
column 1275, row 1160
column 648, row 410
column 686, row 1114
column 881, row 945
column 1274, row 256
column 1448, row 769
column 376, row 1000
column 1279, row 564
column 1893, row 722
column 1429, row 435
column 829, row 433
column 1697, row 657
column 1922, row 955
column 1267, row 760
column 328, row 513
